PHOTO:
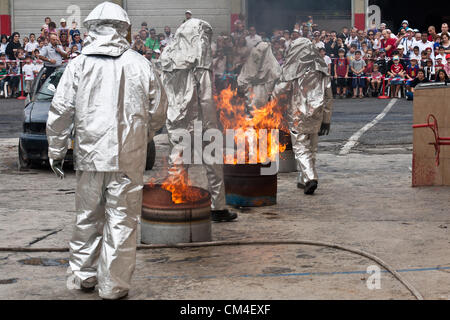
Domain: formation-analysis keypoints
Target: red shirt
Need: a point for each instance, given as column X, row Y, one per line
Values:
column 389, row 42
column 341, row 67
column 396, row 68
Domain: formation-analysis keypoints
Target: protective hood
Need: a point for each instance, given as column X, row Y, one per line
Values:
column 261, row 66
column 190, row 47
column 107, row 26
column 302, row 57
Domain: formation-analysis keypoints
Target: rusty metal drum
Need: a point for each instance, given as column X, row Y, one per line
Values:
column 164, row 222
column 246, row 187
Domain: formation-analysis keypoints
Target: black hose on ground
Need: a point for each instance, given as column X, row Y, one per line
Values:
column 370, row 256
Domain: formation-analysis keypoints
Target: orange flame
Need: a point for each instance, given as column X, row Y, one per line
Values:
column 179, row 185
column 269, row 117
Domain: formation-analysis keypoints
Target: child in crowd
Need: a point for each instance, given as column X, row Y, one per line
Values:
column 411, row 71
column 397, row 73
column 429, row 70
column 423, row 60
column 438, row 65
column 442, row 55
column 74, row 30
column 74, row 52
column 447, row 66
column 351, row 52
column 28, row 72
column 375, row 80
column 341, row 68
column 419, row 79
column 357, row 66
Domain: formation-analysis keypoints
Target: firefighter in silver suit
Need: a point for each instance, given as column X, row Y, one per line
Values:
column 306, row 82
column 115, row 103
column 187, row 77
column 259, row 75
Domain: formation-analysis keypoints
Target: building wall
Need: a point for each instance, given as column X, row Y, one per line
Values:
column 159, row 13
column 28, row 15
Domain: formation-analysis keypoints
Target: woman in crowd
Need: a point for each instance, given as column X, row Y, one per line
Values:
column 13, row 45
column 445, row 42
column 441, row 76
column 3, row 43
column 64, row 41
column 139, row 45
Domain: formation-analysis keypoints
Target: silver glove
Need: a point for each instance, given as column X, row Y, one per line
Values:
column 57, row 167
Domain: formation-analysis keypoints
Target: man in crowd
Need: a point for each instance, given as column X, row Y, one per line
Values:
column 77, row 42
column 168, row 36
column 152, row 41
column 388, row 43
column 424, row 43
column 120, row 84
column 352, row 39
column 252, row 39
column 188, row 14
column 52, row 55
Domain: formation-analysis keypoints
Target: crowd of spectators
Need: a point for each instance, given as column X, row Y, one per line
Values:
column 49, row 48
column 359, row 61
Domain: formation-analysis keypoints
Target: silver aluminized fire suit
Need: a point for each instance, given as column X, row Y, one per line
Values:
column 187, row 77
column 259, row 75
column 115, row 103
column 306, row 81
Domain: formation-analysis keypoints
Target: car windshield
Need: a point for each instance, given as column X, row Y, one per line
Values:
column 48, row 89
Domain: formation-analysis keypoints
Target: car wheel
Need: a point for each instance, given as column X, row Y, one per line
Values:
column 151, row 155
column 22, row 163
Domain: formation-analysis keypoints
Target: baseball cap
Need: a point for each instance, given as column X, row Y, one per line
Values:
column 413, row 58
column 188, row 11
column 405, row 21
column 62, row 20
column 447, row 56
column 283, row 38
column 157, row 51
column 409, row 29
column 400, row 47
column 296, row 30
column 316, row 33
column 439, row 57
column 395, row 58
column 416, row 30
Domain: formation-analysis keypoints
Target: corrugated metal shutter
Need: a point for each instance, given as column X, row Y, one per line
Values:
column 29, row 15
column 170, row 13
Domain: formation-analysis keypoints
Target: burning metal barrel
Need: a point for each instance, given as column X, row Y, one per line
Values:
column 246, row 187
column 165, row 222
column 287, row 158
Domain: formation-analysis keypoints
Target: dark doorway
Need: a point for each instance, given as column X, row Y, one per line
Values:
column 419, row 14
column 267, row 15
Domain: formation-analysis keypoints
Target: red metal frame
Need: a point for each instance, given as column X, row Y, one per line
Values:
column 439, row 141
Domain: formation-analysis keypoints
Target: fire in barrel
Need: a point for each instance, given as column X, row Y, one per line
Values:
column 175, row 212
column 250, row 170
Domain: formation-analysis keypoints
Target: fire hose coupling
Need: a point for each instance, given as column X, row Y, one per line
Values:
column 432, row 123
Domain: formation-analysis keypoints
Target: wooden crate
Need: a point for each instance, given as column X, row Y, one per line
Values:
column 425, row 172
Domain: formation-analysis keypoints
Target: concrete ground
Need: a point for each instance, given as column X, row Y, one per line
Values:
column 365, row 200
